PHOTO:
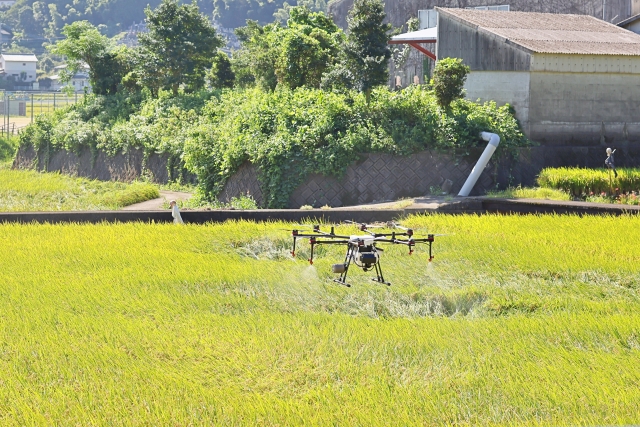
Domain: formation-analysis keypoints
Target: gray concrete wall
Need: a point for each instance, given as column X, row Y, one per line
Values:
column 584, row 108
column 480, row 50
column 503, row 87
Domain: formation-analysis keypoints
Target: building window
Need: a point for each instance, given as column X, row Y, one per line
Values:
column 504, row 7
column 428, row 18
column 24, row 64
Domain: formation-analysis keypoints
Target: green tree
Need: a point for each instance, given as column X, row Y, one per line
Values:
column 181, row 41
column 449, row 76
column 309, row 46
column 255, row 62
column 221, row 75
column 294, row 56
column 84, row 45
column 367, row 53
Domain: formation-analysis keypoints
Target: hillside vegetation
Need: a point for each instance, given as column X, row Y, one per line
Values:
column 527, row 320
column 288, row 134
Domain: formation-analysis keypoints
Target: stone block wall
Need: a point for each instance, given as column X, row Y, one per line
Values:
column 121, row 167
column 375, row 177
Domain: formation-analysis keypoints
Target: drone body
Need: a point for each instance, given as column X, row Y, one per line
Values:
column 362, row 250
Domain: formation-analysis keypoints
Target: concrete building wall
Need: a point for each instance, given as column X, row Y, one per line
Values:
column 584, row 108
column 635, row 27
column 480, row 50
column 565, row 63
column 13, row 68
column 503, row 87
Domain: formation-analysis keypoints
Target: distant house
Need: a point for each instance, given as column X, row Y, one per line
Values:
column 21, row 67
column 79, row 82
column 5, row 36
column 572, row 79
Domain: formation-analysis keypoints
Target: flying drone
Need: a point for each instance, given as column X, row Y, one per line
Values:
column 362, row 250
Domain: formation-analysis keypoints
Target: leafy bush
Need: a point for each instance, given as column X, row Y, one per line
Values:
column 290, row 134
column 449, row 76
column 581, row 182
column 8, row 148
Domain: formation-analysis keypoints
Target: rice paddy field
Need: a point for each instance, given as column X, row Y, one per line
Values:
column 29, row 190
column 520, row 320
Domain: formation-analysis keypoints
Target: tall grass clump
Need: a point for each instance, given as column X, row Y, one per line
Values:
column 28, row 190
column 581, row 182
column 531, row 193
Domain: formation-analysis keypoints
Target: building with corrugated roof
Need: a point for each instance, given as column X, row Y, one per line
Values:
column 572, row 79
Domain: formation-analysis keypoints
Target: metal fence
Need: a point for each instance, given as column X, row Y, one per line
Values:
column 19, row 109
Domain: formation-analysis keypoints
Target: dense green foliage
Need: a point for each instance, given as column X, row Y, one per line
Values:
column 449, row 76
column 366, row 53
column 520, row 320
column 27, row 191
column 221, row 74
column 581, row 182
column 84, row 46
column 292, row 56
column 290, row 134
column 287, row 134
column 178, row 48
column 8, row 147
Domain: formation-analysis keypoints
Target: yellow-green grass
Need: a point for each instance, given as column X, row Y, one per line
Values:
column 28, row 190
column 528, row 320
column 531, row 193
column 584, row 182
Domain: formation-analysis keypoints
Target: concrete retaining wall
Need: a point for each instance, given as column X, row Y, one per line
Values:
column 375, row 177
column 121, row 167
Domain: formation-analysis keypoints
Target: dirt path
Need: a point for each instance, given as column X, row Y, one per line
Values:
column 156, row 204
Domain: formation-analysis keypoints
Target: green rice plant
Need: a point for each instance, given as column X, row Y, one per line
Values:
column 520, row 320
column 531, row 193
column 28, row 190
column 580, row 182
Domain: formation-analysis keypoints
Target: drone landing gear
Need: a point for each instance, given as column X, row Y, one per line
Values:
column 380, row 277
column 343, row 269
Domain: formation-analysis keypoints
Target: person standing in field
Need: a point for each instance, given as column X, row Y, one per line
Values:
column 175, row 212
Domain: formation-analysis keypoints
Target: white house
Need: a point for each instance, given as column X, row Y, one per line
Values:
column 79, row 82
column 21, row 66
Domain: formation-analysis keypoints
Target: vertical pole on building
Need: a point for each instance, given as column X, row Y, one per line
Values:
column 32, row 108
column 6, row 111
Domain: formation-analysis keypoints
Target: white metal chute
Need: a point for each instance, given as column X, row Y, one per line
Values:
column 494, row 141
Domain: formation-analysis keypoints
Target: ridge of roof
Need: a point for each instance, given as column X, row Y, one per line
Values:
column 552, row 33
